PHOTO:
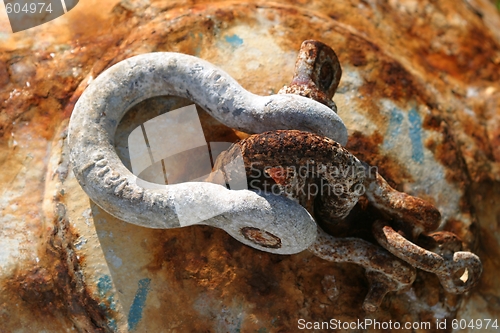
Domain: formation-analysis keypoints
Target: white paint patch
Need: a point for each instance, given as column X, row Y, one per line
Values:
column 469, row 112
column 87, row 215
column 9, row 251
column 346, row 98
column 258, row 54
column 472, row 92
column 439, row 311
column 12, row 239
column 80, row 242
column 252, row 65
column 351, row 81
column 113, row 259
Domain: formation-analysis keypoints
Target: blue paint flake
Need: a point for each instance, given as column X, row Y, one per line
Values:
column 197, row 49
column 394, row 129
column 416, row 136
column 135, row 313
column 112, row 324
column 395, row 122
column 234, row 40
column 104, row 285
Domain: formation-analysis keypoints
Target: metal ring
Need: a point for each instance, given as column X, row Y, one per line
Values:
column 114, row 188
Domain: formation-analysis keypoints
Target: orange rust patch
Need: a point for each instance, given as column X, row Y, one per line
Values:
column 472, row 60
column 490, row 257
column 357, row 56
column 300, row 285
column 399, row 83
column 203, row 264
column 494, row 141
column 261, row 237
column 278, row 174
column 45, row 79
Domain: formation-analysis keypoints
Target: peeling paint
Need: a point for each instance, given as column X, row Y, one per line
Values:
column 415, row 132
column 104, row 285
column 234, row 40
column 87, row 215
column 113, row 258
column 105, row 290
column 8, row 251
column 395, row 128
column 80, row 242
column 137, row 307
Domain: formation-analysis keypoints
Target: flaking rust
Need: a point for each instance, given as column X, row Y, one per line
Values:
column 55, row 288
column 209, row 275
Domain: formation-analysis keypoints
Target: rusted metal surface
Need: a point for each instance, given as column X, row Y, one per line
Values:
column 420, row 96
column 384, row 272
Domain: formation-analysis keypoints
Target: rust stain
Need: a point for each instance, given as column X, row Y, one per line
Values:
column 446, row 151
column 399, row 82
column 367, row 148
column 484, row 200
column 54, row 287
column 473, row 58
column 260, row 237
column 201, row 264
column 39, row 85
column 490, row 254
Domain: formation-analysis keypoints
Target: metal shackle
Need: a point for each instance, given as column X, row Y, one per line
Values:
column 266, row 222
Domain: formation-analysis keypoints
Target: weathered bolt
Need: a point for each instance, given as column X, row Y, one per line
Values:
column 261, row 237
column 317, row 73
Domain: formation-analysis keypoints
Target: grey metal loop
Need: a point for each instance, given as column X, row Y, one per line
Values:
column 266, row 222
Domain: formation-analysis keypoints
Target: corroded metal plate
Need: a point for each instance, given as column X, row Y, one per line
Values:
column 418, row 98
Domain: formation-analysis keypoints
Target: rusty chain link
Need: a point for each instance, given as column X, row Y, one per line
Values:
column 281, row 155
